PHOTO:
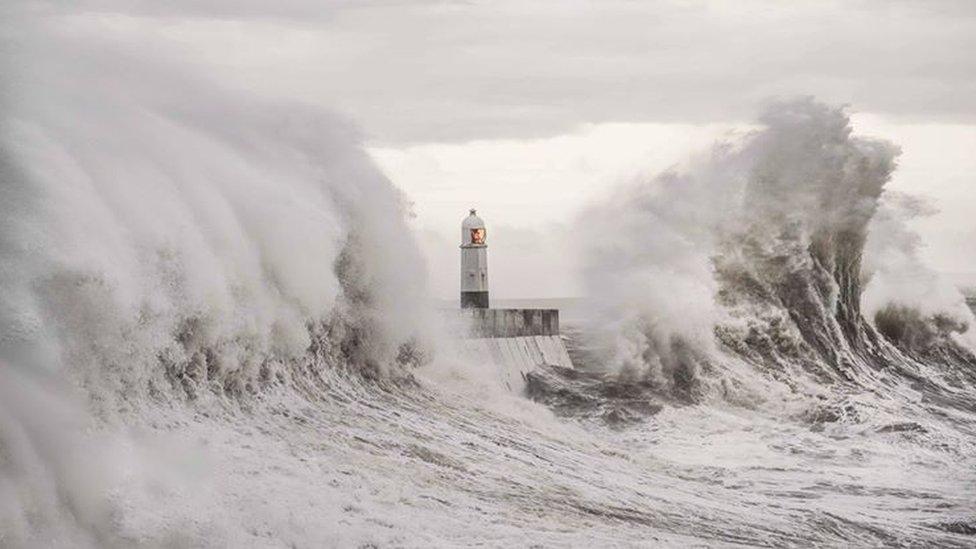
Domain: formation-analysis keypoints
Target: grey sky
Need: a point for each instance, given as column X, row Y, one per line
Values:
column 446, row 71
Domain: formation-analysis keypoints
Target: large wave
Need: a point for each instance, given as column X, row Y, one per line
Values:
column 147, row 222
column 163, row 239
column 742, row 275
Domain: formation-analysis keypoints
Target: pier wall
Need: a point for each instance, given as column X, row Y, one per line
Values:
column 479, row 323
column 510, row 342
column 511, row 358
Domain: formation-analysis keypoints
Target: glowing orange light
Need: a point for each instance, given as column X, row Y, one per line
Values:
column 477, row 236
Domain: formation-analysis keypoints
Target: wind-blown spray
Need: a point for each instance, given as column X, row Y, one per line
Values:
column 162, row 238
column 755, row 253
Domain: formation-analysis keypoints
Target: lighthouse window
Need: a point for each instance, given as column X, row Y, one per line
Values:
column 477, row 236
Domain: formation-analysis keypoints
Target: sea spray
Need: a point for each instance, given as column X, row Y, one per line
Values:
column 750, row 260
column 164, row 241
column 145, row 220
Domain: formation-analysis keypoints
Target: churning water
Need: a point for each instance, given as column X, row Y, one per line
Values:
column 213, row 333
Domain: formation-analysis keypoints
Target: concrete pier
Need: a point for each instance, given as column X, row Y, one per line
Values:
column 509, row 322
column 510, row 342
column 511, row 358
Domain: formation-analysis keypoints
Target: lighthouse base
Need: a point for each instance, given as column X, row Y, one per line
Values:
column 474, row 300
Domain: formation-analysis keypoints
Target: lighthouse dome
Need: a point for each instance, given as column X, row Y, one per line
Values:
column 473, row 221
column 473, row 230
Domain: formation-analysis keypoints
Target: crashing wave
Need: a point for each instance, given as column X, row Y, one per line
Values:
column 167, row 246
column 746, row 269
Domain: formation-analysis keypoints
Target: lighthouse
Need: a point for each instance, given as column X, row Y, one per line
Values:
column 512, row 341
column 474, row 263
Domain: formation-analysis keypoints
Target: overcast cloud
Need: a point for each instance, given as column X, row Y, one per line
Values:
column 421, row 71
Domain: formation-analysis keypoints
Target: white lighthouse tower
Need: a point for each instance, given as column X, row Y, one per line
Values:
column 474, row 263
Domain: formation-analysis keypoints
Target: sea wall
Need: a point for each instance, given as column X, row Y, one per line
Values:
column 509, row 342
column 509, row 322
column 511, row 358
